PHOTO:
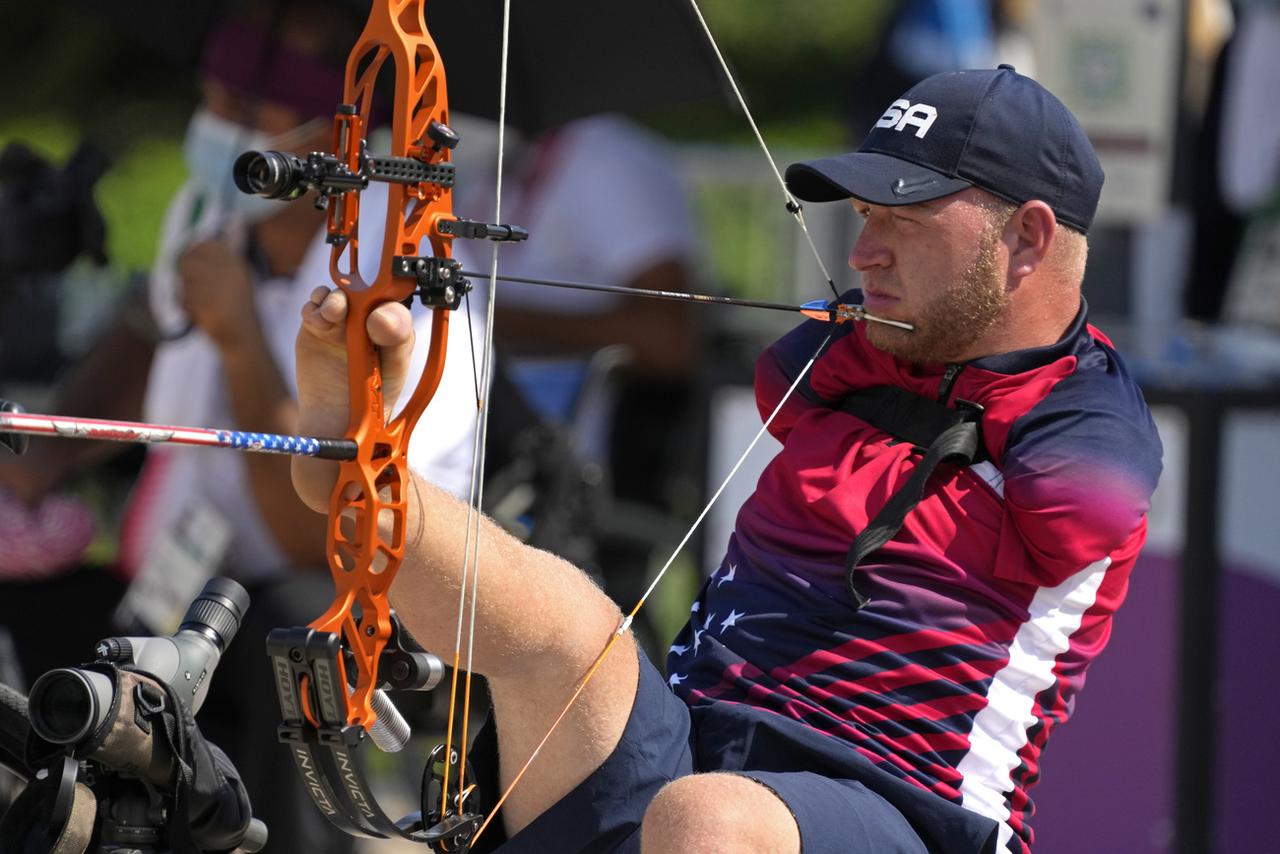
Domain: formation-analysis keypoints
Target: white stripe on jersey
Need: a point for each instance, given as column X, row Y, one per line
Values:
column 992, row 475
column 1000, row 728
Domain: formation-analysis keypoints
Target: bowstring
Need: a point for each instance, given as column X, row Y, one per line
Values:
column 793, row 206
column 471, row 542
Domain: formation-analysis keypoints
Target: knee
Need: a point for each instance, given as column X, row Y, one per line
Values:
column 718, row 813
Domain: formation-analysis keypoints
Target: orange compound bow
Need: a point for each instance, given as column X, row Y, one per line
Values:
column 363, row 559
column 329, row 675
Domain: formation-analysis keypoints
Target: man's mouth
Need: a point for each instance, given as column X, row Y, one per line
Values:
column 877, row 302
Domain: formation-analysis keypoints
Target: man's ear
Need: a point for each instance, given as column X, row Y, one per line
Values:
column 1029, row 233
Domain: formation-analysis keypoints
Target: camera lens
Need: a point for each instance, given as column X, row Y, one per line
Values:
column 217, row 611
column 68, row 704
column 270, row 174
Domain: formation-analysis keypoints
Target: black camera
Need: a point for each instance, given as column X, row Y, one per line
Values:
column 115, row 761
column 69, row 705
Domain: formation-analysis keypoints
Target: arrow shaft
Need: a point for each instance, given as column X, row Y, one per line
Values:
column 680, row 296
column 130, row 431
column 817, row 310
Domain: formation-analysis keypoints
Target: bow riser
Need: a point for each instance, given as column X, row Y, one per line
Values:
column 366, row 537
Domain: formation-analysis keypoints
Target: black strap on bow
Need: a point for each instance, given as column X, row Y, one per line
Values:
column 941, row 433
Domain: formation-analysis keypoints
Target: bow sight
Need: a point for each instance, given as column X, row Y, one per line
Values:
column 280, row 175
column 284, row 176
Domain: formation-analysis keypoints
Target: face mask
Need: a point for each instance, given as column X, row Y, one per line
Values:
column 211, row 147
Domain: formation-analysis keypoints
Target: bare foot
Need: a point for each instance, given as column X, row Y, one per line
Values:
column 323, row 393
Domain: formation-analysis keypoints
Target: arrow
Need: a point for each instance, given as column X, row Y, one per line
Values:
column 13, row 420
column 817, row 309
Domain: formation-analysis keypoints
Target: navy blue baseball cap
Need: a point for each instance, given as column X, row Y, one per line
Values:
column 993, row 129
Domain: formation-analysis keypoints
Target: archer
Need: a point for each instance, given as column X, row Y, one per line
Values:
column 909, row 601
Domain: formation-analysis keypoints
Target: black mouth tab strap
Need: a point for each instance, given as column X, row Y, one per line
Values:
column 945, row 435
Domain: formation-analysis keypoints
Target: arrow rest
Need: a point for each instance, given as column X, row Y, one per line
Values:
column 440, row 280
column 440, row 283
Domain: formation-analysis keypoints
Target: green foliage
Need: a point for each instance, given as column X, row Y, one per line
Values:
column 742, row 245
column 795, row 57
column 51, row 138
column 784, row 32
column 133, row 197
column 668, row 610
column 75, row 78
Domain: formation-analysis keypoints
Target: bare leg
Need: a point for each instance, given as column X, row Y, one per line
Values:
column 540, row 621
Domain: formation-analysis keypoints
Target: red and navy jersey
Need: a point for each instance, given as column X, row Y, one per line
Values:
column 988, row 605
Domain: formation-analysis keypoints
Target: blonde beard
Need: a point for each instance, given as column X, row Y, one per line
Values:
column 950, row 324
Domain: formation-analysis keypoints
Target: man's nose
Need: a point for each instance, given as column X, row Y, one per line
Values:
column 869, row 251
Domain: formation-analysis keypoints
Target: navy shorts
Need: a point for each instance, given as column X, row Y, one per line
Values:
column 842, row 803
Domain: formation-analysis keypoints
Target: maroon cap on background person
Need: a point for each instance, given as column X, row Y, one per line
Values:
column 241, row 57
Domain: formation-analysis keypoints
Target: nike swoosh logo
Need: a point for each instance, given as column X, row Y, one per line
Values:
column 903, row 187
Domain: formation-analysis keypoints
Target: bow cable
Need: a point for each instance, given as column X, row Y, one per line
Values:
column 471, row 543
column 488, row 373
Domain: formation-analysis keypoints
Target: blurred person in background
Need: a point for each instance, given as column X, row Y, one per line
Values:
column 48, row 219
column 1236, row 184
column 212, row 345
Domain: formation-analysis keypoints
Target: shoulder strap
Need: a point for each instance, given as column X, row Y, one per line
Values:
column 945, row 435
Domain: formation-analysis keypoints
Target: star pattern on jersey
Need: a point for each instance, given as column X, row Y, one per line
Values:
column 676, row 679
column 695, row 608
column 678, row 649
column 697, row 638
column 731, row 620
column 728, row 574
